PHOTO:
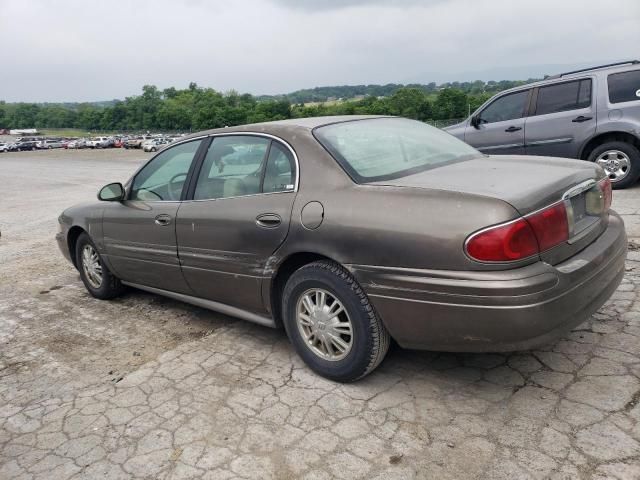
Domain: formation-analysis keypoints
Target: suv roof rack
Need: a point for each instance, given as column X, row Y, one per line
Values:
column 630, row 62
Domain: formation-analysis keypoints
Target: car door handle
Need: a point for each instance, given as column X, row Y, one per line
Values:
column 581, row 119
column 513, row 129
column 163, row 219
column 268, row 220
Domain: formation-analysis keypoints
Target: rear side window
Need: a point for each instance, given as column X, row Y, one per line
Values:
column 624, row 87
column 563, row 97
column 232, row 167
column 508, row 107
column 278, row 176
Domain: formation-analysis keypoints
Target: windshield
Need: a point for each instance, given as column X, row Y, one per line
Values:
column 380, row 149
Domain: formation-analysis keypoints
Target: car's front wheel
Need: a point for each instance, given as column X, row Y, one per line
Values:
column 620, row 161
column 95, row 275
column 331, row 323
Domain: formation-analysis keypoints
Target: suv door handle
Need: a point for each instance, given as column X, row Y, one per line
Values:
column 513, row 129
column 163, row 220
column 581, row 119
column 268, row 220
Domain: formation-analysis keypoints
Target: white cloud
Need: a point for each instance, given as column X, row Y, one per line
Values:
column 73, row 50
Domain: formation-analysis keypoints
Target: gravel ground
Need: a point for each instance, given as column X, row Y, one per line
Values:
column 145, row 387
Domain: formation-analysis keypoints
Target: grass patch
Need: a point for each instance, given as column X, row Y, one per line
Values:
column 70, row 132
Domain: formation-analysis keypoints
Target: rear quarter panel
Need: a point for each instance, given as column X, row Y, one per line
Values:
column 383, row 225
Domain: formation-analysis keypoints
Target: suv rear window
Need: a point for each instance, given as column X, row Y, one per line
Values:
column 624, row 87
column 562, row 97
column 381, row 149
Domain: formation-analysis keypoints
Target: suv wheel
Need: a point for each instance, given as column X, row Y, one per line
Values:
column 95, row 275
column 331, row 323
column 620, row 161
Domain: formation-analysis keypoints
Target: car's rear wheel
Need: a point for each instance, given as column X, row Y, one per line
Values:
column 620, row 161
column 331, row 323
column 95, row 275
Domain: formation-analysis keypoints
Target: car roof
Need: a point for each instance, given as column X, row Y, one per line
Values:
column 280, row 126
column 564, row 77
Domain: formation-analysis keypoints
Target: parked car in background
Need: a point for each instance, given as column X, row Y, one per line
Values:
column 48, row 144
column 26, row 145
column 4, row 147
column 100, row 142
column 135, row 142
column 591, row 114
column 77, row 143
column 251, row 221
column 154, row 145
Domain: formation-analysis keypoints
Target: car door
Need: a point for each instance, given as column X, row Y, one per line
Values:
column 237, row 218
column 139, row 233
column 562, row 118
column 499, row 127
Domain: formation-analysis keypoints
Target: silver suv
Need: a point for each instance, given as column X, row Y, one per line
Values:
column 591, row 114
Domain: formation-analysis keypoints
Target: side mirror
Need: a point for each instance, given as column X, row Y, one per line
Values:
column 476, row 121
column 114, row 192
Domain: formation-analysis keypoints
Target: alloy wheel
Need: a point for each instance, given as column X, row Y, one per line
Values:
column 91, row 266
column 615, row 163
column 324, row 324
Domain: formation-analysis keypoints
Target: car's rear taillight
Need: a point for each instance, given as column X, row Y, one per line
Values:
column 550, row 225
column 503, row 243
column 605, row 186
column 522, row 238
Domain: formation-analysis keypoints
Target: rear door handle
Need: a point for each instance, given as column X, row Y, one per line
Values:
column 268, row 220
column 581, row 119
column 513, row 129
column 163, row 219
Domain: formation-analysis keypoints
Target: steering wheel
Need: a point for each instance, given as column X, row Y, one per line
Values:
column 174, row 191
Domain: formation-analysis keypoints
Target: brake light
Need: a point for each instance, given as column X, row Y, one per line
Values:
column 504, row 243
column 605, row 186
column 522, row 238
column 550, row 225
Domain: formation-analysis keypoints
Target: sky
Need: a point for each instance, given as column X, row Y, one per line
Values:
column 79, row 50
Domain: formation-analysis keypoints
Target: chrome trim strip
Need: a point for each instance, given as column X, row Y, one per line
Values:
column 238, row 196
column 499, row 147
column 209, row 304
column 578, row 189
column 549, row 142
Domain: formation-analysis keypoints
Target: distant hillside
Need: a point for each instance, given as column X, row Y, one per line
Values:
column 345, row 92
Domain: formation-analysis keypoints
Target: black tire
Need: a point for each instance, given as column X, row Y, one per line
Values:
column 370, row 340
column 110, row 287
column 630, row 151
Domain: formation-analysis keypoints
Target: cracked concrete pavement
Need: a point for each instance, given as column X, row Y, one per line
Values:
column 145, row 387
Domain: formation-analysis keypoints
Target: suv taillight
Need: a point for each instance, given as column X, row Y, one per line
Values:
column 521, row 238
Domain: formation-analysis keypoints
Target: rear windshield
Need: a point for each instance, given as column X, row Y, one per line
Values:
column 381, row 149
column 624, row 87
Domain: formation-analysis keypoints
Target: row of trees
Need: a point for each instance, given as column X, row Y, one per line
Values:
column 196, row 108
column 322, row 94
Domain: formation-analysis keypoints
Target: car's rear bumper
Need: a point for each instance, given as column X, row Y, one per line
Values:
column 500, row 310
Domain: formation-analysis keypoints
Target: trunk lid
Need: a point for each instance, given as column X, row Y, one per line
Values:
column 528, row 183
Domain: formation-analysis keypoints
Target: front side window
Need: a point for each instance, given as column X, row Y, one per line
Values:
column 624, row 87
column 163, row 178
column 232, row 167
column 563, row 97
column 505, row 108
column 382, row 149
